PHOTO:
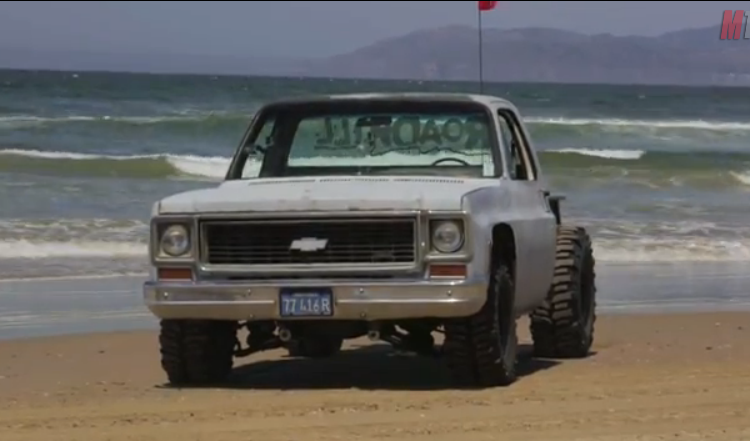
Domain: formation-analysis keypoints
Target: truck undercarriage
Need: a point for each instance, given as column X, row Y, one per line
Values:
column 300, row 336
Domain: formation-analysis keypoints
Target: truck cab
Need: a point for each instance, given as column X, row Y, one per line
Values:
column 386, row 215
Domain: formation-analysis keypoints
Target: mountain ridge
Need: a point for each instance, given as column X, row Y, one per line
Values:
column 693, row 56
column 690, row 56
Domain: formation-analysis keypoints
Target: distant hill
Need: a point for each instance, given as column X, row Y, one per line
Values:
column 692, row 56
column 687, row 57
column 159, row 63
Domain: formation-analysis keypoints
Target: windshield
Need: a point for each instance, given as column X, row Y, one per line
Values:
column 455, row 143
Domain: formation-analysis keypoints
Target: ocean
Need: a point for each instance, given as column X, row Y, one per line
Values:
column 658, row 174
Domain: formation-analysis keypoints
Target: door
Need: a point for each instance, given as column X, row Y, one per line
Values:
column 533, row 222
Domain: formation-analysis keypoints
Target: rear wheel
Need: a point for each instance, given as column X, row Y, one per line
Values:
column 481, row 349
column 197, row 352
column 563, row 326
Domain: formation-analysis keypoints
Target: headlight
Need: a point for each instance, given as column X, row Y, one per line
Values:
column 175, row 241
column 447, row 236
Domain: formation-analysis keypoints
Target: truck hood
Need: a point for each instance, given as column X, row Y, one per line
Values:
column 326, row 194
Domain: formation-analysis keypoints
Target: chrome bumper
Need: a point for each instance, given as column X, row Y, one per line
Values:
column 353, row 299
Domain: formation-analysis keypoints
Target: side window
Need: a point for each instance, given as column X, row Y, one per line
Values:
column 506, row 137
column 521, row 163
column 264, row 140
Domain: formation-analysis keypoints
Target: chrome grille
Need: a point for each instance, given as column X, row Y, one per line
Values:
column 333, row 241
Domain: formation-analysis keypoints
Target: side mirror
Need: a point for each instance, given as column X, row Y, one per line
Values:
column 255, row 150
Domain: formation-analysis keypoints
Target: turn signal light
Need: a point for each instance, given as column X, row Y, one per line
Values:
column 447, row 270
column 175, row 274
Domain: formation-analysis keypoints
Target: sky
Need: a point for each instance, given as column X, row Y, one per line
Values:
column 302, row 29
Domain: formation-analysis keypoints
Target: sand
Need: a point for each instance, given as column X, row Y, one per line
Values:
column 653, row 377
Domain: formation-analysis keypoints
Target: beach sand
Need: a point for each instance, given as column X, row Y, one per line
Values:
column 652, row 377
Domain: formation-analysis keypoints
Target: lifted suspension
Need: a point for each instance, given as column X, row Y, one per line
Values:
column 414, row 340
column 260, row 337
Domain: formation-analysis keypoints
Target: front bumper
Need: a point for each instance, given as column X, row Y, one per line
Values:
column 353, row 299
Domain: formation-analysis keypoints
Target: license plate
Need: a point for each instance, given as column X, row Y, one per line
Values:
column 306, row 302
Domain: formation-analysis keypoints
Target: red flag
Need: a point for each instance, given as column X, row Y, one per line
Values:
column 486, row 6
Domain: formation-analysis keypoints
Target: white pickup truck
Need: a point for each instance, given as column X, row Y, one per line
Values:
column 394, row 216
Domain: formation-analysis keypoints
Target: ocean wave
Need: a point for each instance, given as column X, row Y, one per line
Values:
column 647, row 249
column 601, row 153
column 25, row 249
column 79, row 238
column 132, row 166
column 95, row 230
column 656, row 169
column 239, row 117
column 742, row 177
column 84, row 246
column 663, row 124
column 677, row 249
column 22, row 121
column 45, row 278
column 713, row 169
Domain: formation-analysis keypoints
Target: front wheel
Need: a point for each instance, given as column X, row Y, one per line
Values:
column 481, row 349
column 563, row 326
column 197, row 352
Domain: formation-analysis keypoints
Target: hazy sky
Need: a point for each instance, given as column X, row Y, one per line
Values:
column 312, row 28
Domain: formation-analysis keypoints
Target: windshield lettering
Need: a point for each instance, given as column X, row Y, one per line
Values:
column 403, row 133
column 455, row 141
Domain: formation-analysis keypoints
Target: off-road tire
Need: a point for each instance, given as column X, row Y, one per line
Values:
column 563, row 326
column 197, row 352
column 315, row 347
column 481, row 350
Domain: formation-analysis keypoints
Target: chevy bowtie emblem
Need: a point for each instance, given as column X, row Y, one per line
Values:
column 308, row 244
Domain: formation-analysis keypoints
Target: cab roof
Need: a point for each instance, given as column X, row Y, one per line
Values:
column 406, row 97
